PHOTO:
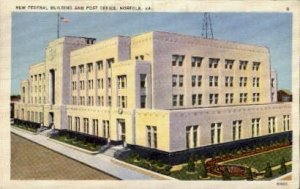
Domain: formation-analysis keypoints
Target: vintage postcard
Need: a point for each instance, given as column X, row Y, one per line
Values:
column 150, row 94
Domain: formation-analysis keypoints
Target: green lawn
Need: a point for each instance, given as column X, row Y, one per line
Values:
column 77, row 143
column 260, row 161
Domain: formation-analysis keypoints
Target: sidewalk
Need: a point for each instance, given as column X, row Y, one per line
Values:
column 99, row 161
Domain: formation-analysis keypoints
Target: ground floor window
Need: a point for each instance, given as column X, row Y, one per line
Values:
column 272, row 125
column 216, row 129
column 151, row 136
column 95, row 127
column 77, row 124
column 237, row 129
column 286, row 122
column 255, row 127
column 105, row 124
column 70, row 122
column 86, row 125
column 192, row 136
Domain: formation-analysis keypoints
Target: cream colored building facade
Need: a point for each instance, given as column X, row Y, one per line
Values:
column 156, row 90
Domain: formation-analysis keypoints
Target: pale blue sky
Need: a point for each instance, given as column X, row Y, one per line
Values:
column 31, row 33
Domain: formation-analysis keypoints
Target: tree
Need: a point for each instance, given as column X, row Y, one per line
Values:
column 203, row 170
column 268, row 171
column 249, row 174
column 283, row 168
column 226, row 174
column 191, row 164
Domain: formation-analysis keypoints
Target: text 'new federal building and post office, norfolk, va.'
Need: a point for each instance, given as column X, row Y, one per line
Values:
column 156, row 91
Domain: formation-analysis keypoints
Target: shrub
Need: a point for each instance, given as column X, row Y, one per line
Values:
column 226, row 174
column 268, row 171
column 283, row 168
column 249, row 174
column 203, row 170
column 191, row 165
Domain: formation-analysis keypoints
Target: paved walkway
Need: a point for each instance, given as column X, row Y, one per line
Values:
column 99, row 161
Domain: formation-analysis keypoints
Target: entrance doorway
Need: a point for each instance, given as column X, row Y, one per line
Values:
column 122, row 130
column 51, row 120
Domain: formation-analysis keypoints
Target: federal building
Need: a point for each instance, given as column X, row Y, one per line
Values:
column 158, row 91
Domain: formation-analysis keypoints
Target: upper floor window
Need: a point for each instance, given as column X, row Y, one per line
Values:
column 90, row 67
column 174, row 80
column 143, row 80
column 228, row 98
column 177, row 59
column 243, row 65
column 213, row 98
column 243, row 97
column 243, row 81
column 228, row 64
column 213, row 62
column 99, row 65
column 81, row 68
column 228, row 81
column 196, row 61
column 109, row 62
column 255, row 82
column 213, row 81
column 180, row 80
column 122, row 81
column 255, row 66
column 73, row 70
column 255, row 97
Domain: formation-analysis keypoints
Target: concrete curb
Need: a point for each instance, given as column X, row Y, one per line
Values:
column 142, row 170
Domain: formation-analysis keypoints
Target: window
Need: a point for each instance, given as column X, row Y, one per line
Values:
column 213, row 81
column 196, row 61
column 143, row 79
column 143, row 101
column 192, row 136
column 174, row 80
column 255, row 82
column 237, row 130
column 272, row 125
column 151, row 136
column 194, row 80
column 255, row 97
column 90, row 67
column 81, row 68
column 90, row 84
column 90, row 101
column 99, row 65
column 109, row 101
column 81, row 84
column 213, row 62
column 180, row 100
column 286, row 122
column 74, row 100
column 109, row 82
column 174, row 99
column 177, row 59
column 228, row 81
column 105, row 124
column 95, row 127
column 215, row 134
column 228, row 64
column 122, row 81
column 243, row 65
column 228, row 98
column 70, row 123
column 213, row 98
column 243, row 81
column 180, row 80
column 109, row 62
column 73, row 70
column 77, row 124
column 255, row 66
column 196, row 99
column 272, row 82
column 243, row 97
column 255, row 127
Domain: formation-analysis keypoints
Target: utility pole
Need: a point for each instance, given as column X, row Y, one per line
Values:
column 207, row 30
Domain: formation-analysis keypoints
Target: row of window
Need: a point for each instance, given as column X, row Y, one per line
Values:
column 90, row 66
column 178, row 80
column 193, row 131
column 91, row 101
column 37, row 100
column 38, row 77
column 75, row 125
column 33, row 116
column 214, row 98
column 38, row 88
column 196, row 61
